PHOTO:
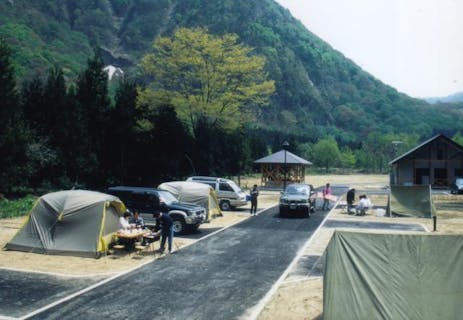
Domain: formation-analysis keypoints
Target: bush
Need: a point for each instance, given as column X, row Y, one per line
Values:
column 16, row 207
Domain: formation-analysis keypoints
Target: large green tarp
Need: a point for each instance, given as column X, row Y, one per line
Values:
column 392, row 276
column 412, row 201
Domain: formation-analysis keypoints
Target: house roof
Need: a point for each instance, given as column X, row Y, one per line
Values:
column 279, row 157
column 456, row 145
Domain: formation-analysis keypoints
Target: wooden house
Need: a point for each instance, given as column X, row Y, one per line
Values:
column 435, row 162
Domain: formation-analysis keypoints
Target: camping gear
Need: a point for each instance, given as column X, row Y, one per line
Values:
column 393, row 276
column 413, row 200
column 75, row 222
column 194, row 192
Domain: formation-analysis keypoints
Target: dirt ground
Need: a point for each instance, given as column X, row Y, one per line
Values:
column 294, row 298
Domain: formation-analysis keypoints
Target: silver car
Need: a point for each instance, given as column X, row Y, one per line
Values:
column 297, row 200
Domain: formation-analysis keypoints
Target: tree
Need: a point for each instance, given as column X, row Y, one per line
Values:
column 206, row 78
column 93, row 105
column 458, row 138
column 326, row 153
column 120, row 140
column 15, row 136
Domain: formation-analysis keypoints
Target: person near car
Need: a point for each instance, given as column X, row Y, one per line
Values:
column 164, row 224
column 124, row 225
column 363, row 206
column 137, row 220
column 326, row 197
column 124, row 221
column 254, row 195
column 350, row 199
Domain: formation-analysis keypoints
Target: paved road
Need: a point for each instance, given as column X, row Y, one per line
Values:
column 218, row 278
column 23, row 292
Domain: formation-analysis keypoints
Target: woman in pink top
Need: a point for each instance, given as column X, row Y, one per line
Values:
column 326, row 197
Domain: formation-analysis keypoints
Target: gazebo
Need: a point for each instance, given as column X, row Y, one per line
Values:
column 281, row 168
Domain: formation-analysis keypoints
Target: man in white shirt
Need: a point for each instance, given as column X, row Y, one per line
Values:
column 124, row 221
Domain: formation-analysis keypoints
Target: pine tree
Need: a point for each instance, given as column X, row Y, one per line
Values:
column 14, row 134
column 93, row 104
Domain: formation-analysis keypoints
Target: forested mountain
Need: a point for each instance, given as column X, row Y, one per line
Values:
column 318, row 91
column 453, row 98
column 61, row 126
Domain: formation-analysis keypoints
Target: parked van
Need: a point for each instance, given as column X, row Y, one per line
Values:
column 185, row 216
column 228, row 193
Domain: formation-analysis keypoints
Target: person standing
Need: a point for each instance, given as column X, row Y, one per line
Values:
column 254, row 195
column 326, row 197
column 164, row 224
column 350, row 199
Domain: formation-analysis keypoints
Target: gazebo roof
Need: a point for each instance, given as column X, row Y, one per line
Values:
column 279, row 157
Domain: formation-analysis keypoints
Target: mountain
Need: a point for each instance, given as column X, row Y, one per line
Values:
column 453, row 98
column 319, row 92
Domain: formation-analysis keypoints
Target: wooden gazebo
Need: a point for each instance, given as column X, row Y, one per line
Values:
column 280, row 166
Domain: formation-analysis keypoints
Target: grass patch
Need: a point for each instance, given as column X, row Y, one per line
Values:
column 17, row 207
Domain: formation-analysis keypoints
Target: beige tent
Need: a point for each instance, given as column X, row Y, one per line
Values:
column 76, row 222
column 194, row 192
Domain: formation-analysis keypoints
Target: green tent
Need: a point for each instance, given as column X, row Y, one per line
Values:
column 76, row 222
column 412, row 201
column 393, row 276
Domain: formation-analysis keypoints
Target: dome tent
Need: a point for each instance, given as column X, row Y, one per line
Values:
column 194, row 192
column 75, row 222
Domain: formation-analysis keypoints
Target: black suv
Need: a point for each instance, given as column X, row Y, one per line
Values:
column 185, row 216
column 297, row 200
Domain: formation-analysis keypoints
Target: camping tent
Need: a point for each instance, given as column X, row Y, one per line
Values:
column 194, row 192
column 76, row 222
column 412, row 201
column 393, row 276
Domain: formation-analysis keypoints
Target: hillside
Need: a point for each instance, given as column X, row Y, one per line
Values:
column 453, row 98
column 318, row 90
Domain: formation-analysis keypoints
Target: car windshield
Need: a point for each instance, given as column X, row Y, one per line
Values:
column 167, row 197
column 295, row 189
column 234, row 186
column 459, row 181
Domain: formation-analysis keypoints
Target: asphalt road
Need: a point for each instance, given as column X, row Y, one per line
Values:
column 220, row 277
column 22, row 292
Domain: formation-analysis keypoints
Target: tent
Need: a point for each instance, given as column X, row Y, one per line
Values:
column 393, row 276
column 413, row 200
column 194, row 192
column 76, row 222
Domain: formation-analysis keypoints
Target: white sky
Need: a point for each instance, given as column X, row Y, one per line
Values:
column 416, row 46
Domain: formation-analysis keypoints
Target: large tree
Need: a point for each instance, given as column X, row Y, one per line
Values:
column 206, row 78
column 92, row 103
column 326, row 153
column 15, row 138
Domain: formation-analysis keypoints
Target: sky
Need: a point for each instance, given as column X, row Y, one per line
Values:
column 415, row 46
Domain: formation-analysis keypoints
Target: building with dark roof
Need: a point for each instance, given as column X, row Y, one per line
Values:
column 435, row 162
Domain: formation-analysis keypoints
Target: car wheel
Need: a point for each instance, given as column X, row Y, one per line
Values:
column 179, row 225
column 225, row 206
